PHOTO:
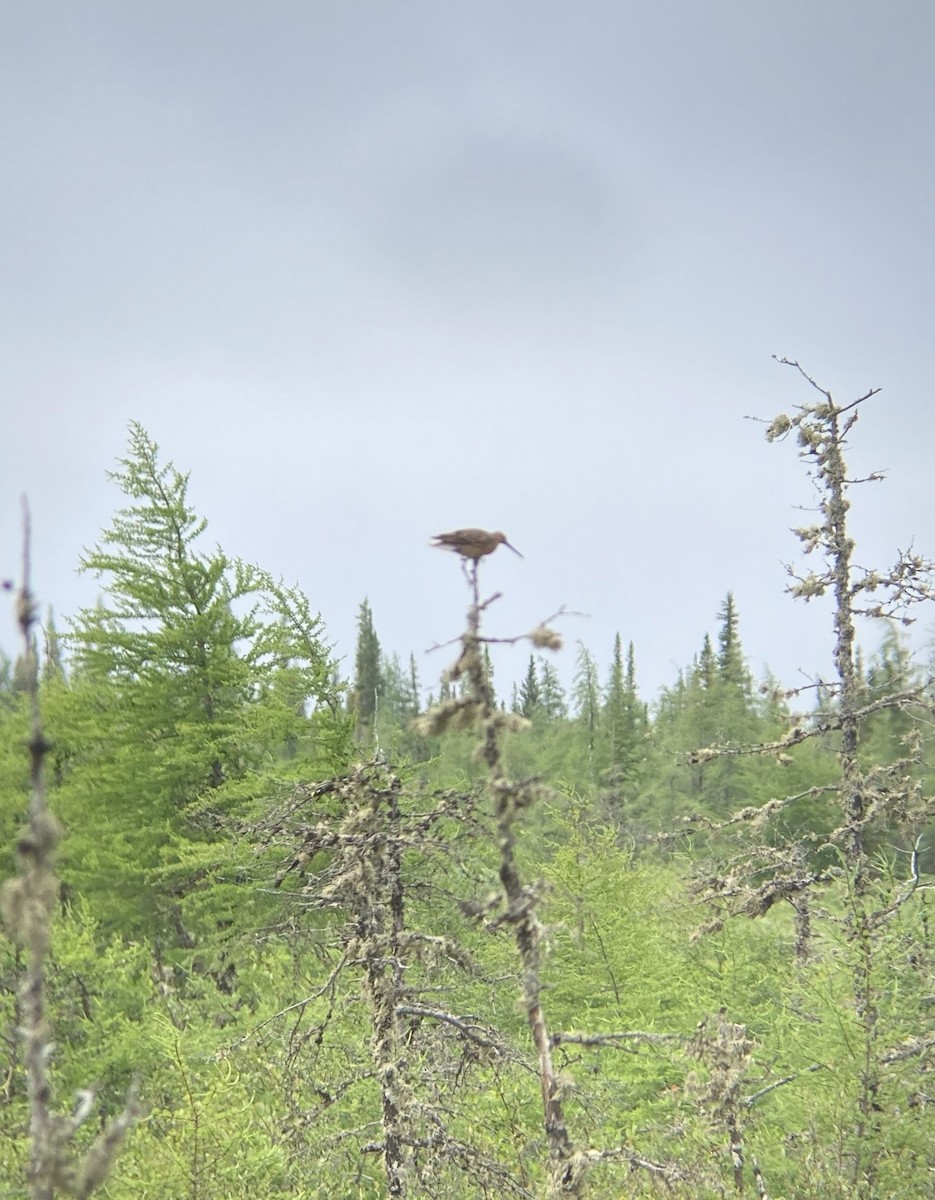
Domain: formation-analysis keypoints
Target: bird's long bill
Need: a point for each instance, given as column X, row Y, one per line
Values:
column 513, row 548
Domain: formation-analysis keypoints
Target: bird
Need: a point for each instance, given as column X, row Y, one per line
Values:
column 472, row 543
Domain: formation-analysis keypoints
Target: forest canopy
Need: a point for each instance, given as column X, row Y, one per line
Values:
column 311, row 936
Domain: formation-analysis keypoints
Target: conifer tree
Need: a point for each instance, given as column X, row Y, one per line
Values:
column 551, row 693
column 730, row 663
column 488, row 670
column 706, row 669
column 415, row 687
column 396, row 703
column 891, row 671
column 623, row 721
column 735, row 682
column 878, row 921
column 711, row 705
column 190, row 675
column 530, row 694
column 53, row 666
column 6, row 672
column 368, row 675
column 586, row 694
column 725, row 714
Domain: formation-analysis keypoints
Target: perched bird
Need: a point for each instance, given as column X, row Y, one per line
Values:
column 472, row 543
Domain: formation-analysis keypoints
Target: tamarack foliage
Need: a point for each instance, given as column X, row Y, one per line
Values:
column 442, row 976
column 355, row 858
column 27, row 903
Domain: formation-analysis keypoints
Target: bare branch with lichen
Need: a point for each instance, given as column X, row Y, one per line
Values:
column 352, row 863
column 542, row 636
column 517, row 907
column 27, row 903
column 800, row 733
column 870, row 800
column 620, row 1038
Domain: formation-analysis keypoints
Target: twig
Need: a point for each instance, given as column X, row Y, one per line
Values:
column 28, row 902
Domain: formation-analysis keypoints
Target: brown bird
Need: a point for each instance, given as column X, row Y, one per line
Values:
column 472, row 543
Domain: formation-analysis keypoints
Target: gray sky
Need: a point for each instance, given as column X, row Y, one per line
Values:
column 376, row 270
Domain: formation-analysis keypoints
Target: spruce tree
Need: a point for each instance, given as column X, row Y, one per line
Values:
column 726, row 715
column 735, row 682
column 488, row 670
column 623, row 722
column 415, row 687
column 368, row 675
column 730, row 662
column 706, row 668
column 530, row 694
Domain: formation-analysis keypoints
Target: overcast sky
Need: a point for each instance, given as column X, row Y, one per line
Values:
column 376, row 270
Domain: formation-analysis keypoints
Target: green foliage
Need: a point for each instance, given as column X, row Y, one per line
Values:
column 623, row 728
column 552, row 702
column 400, row 704
column 368, row 687
column 891, row 672
column 14, row 775
column 197, row 680
column 199, row 689
column 586, row 694
column 712, row 706
column 530, row 693
column 213, row 1125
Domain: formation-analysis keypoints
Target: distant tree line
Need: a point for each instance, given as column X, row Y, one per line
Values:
column 318, row 937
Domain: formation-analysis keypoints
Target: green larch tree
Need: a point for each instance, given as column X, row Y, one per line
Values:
column 586, row 695
column 398, row 703
column 53, row 665
column 191, row 675
column 551, row 693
